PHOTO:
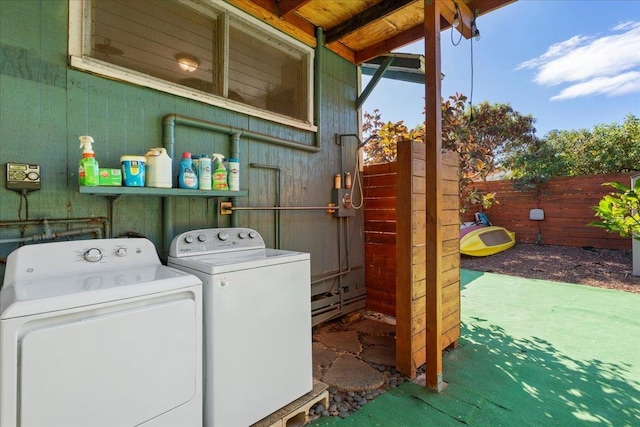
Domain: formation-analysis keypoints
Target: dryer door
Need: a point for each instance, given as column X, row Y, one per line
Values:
column 117, row 368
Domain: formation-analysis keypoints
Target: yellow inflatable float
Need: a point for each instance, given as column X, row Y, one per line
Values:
column 480, row 240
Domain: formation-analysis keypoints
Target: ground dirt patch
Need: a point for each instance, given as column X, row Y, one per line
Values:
column 603, row 268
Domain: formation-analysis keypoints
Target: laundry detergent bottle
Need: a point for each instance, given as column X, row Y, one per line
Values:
column 204, row 173
column 187, row 177
column 88, row 171
column 159, row 167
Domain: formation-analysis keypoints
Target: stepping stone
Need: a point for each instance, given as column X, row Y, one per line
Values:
column 380, row 355
column 345, row 341
column 372, row 327
column 348, row 373
column 322, row 355
column 383, row 340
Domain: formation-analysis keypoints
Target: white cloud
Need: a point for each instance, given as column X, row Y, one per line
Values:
column 607, row 65
column 621, row 84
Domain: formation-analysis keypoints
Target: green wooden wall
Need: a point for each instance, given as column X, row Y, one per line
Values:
column 45, row 106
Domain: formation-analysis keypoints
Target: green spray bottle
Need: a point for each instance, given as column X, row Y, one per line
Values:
column 88, row 171
column 219, row 173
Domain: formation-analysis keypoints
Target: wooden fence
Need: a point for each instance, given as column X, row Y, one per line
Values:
column 567, row 205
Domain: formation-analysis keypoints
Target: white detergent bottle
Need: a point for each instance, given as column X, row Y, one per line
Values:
column 204, row 172
column 233, row 174
column 159, row 168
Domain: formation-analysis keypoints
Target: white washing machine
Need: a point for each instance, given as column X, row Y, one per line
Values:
column 99, row 333
column 257, row 309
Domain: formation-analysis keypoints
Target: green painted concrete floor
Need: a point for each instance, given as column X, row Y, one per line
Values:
column 532, row 353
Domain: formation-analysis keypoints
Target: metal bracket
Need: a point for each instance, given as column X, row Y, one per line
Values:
column 226, row 208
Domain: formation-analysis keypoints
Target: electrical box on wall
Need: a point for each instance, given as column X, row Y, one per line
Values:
column 23, row 177
column 341, row 198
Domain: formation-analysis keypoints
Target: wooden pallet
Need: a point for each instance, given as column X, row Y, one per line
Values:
column 296, row 413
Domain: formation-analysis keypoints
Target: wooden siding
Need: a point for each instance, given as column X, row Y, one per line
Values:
column 388, row 207
column 567, row 204
column 46, row 105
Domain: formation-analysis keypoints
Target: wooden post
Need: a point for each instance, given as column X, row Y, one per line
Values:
column 433, row 141
column 410, row 257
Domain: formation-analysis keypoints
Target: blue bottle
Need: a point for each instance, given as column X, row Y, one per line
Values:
column 187, row 178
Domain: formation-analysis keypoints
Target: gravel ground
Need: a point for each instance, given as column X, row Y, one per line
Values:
column 603, row 268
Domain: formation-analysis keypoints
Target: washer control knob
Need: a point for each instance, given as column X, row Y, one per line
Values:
column 253, row 234
column 223, row 235
column 242, row 234
column 93, row 255
column 202, row 237
column 121, row 252
column 188, row 238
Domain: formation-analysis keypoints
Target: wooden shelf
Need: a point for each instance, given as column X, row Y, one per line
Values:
column 159, row 192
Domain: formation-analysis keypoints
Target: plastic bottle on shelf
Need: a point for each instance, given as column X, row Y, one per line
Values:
column 187, row 177
column 195, row 159
column 204, row 172
column 233, row 174
column 88, row 170
column 219, row 173
column 159, row 168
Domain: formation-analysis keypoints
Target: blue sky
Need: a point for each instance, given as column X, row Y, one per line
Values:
column 571, row 64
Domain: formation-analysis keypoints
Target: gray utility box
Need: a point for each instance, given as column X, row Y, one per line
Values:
column 341, row 198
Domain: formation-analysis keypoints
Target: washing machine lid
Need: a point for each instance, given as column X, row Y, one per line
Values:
column 44, row 295
column 226, row 262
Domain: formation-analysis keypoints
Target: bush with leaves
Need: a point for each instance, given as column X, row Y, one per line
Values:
column 479, row 136
column 619, row 211
column 608, row 148
column 384, row 148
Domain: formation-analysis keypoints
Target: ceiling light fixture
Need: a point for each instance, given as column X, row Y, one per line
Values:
column 188, row 63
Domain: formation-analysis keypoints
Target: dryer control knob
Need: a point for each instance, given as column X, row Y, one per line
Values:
column 92, row 255
column 223, row 235
column 188, row 238
column 242, row 234
column 121, row 252
column 253, row 234
column 202, row 237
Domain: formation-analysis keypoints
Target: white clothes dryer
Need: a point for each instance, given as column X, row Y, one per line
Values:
column 257, row 334
column 99, row 333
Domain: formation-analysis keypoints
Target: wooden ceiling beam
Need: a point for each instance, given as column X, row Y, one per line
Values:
column 266, row 11
column 374, row 13
column 466, row 15
column 287, row 7
column 386, row 46
column 486, row 6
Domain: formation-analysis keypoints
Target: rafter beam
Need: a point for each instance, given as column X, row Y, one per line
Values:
column 374, row 13
column 386, row 46
column 286, row 7
column 265, row 10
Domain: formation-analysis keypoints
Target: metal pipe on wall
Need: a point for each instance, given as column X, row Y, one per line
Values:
column 18, row 222
column 51, row 236
column 279, row 208
column 277, row 221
